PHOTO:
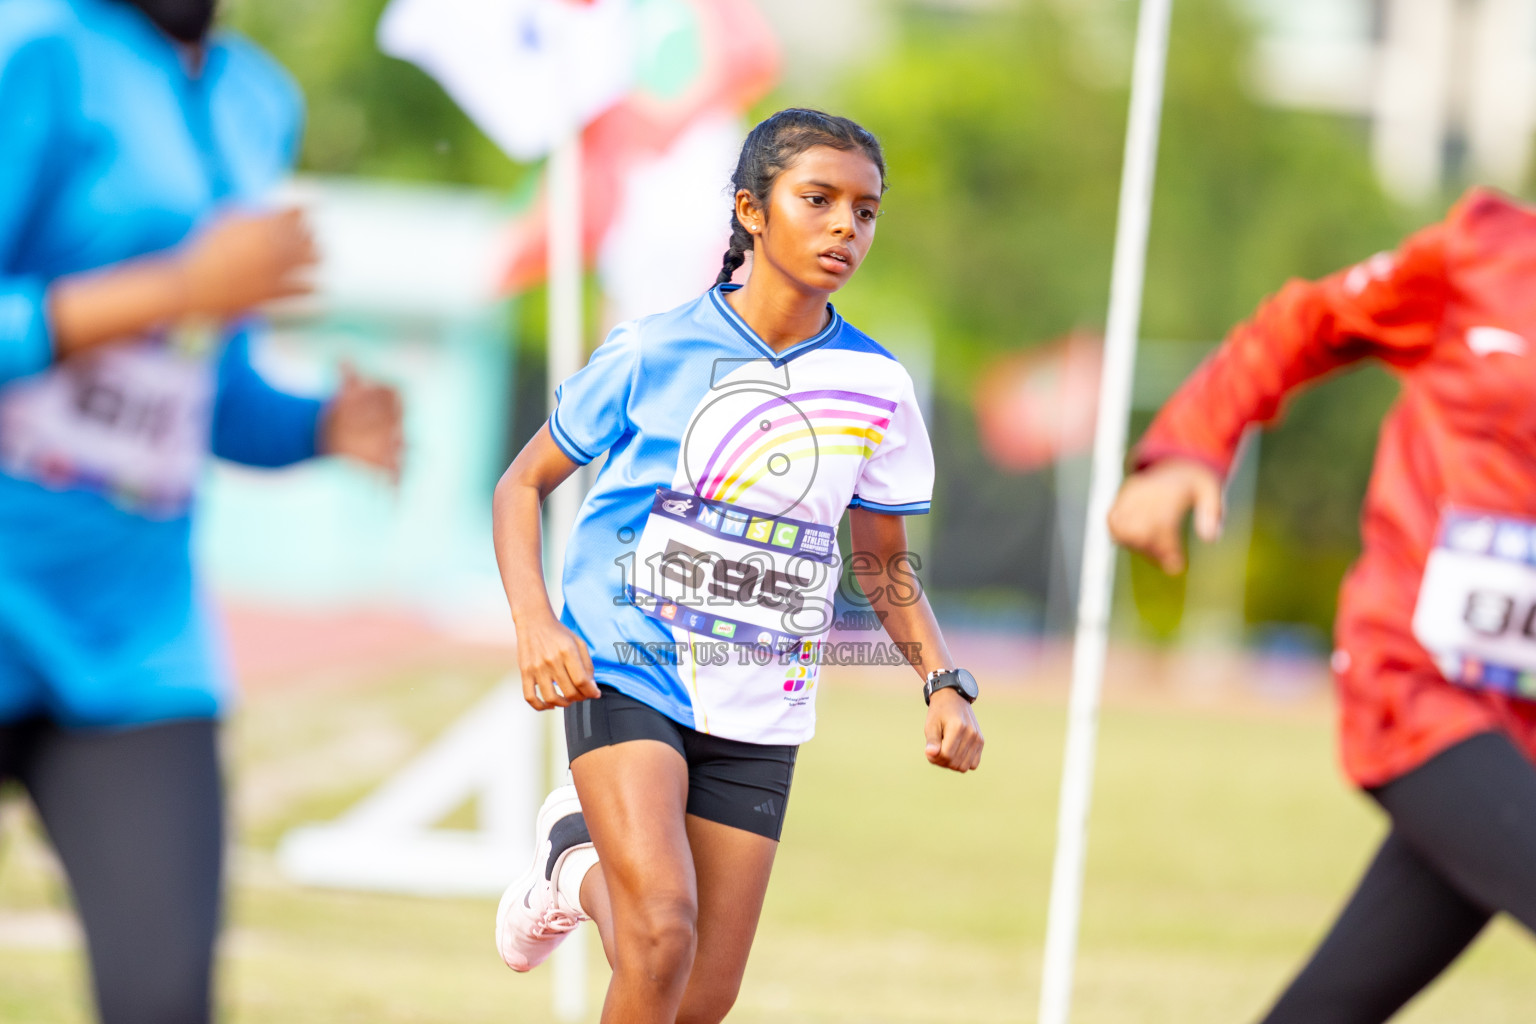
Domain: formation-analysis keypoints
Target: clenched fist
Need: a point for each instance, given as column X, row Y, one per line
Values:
column 362, row 423
column 554, row 664
column 243, row 260
column 953, row 739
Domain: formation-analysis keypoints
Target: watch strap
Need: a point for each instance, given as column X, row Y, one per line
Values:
column 939, row 679
column 944, row 679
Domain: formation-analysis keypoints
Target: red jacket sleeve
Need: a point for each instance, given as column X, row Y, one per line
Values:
column 1388, row 307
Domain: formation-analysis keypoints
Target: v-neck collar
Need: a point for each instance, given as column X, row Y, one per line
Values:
column 776, row 359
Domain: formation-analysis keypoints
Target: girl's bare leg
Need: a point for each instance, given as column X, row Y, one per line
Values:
column 633, row 797
column 731, row 869
column 732, row 866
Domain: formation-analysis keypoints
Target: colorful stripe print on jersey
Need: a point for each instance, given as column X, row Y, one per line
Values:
column 805, row 424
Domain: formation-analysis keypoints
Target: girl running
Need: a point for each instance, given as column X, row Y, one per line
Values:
column 699, row 578
column 1436, row 633
column 135, row 146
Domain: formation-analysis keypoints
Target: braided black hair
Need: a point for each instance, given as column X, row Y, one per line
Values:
column 771, row 147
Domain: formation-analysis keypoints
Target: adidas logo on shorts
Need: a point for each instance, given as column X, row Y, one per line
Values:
column 767, row 807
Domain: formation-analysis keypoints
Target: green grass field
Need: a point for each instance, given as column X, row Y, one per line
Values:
column 1222, row 841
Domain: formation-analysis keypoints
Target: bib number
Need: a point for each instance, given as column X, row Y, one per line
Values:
column 1476, row 611
column 729, row 573
column 130, row 421
column 750, row 582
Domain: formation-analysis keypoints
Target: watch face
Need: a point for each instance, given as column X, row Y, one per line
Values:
column 967, row 684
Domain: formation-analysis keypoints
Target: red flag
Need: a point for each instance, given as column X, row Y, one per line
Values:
column 1034, row 407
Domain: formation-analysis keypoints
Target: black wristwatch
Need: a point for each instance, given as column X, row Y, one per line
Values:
column 958, row 679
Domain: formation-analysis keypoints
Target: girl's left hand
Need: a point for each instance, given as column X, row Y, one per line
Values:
column 954, row 738
column 362, row 423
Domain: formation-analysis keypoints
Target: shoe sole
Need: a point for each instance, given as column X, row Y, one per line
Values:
column 559, row 803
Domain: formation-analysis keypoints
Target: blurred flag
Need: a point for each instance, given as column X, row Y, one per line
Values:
column 699, row 64
column 527, row 71
column 659, row 86
column 1036, row 407
column 664, row 244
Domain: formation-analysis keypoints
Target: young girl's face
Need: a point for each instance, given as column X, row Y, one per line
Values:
column 820, row 219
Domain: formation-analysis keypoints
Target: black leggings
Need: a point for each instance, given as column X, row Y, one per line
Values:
column 137, row 818
column 1462, row 848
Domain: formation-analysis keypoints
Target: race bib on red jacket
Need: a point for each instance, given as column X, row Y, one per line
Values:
column 1476, row 611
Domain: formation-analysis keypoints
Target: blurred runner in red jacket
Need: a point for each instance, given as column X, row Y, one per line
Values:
column 1436, row 632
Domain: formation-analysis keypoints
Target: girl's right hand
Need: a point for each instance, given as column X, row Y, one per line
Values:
column 1148, row 513
column 244, row 259
column 555, row 666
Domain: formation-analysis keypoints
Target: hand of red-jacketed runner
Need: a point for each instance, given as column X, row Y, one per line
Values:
column 1148, row 513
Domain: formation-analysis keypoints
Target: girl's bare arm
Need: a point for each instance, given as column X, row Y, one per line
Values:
column 884, row 568
column 553, row 661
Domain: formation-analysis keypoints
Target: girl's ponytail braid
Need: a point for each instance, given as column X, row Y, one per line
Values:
column 736, row 255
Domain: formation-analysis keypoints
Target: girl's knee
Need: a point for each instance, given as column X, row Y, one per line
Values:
column 662, row 934
column 708, row 1004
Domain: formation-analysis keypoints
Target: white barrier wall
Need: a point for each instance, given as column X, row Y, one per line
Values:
column 494, row 754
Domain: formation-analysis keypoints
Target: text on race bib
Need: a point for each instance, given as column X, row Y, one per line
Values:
column 130, row 421
column 730, row 573
column 1476, row 612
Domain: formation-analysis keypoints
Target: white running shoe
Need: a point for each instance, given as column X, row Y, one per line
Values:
column 533, row 917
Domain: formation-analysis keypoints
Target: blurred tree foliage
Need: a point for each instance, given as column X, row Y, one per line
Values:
column 368, row 114
column 1004, row 135
column 1004, row 131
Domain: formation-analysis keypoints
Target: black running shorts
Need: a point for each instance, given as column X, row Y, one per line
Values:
column 743, row 785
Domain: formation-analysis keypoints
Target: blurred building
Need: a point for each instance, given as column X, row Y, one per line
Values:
column 407, row 293
column 1449, row 86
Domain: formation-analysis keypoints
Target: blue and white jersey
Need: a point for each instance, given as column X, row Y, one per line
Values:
column 702, row 567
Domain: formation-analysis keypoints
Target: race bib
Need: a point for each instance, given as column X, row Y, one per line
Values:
column 130, row 421
column 729, row 573
column 1476, row 612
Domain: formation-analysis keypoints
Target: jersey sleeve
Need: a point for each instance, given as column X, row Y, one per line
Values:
column 898, row 478
column 1389, row 307
column 256, row 424
column 34, row 87
column 592, row 405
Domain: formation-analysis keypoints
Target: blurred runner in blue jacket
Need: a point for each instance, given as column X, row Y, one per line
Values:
column 137, row 150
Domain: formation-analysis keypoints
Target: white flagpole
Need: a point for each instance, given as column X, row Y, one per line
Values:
column 1097, row 583
column 563, row 184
